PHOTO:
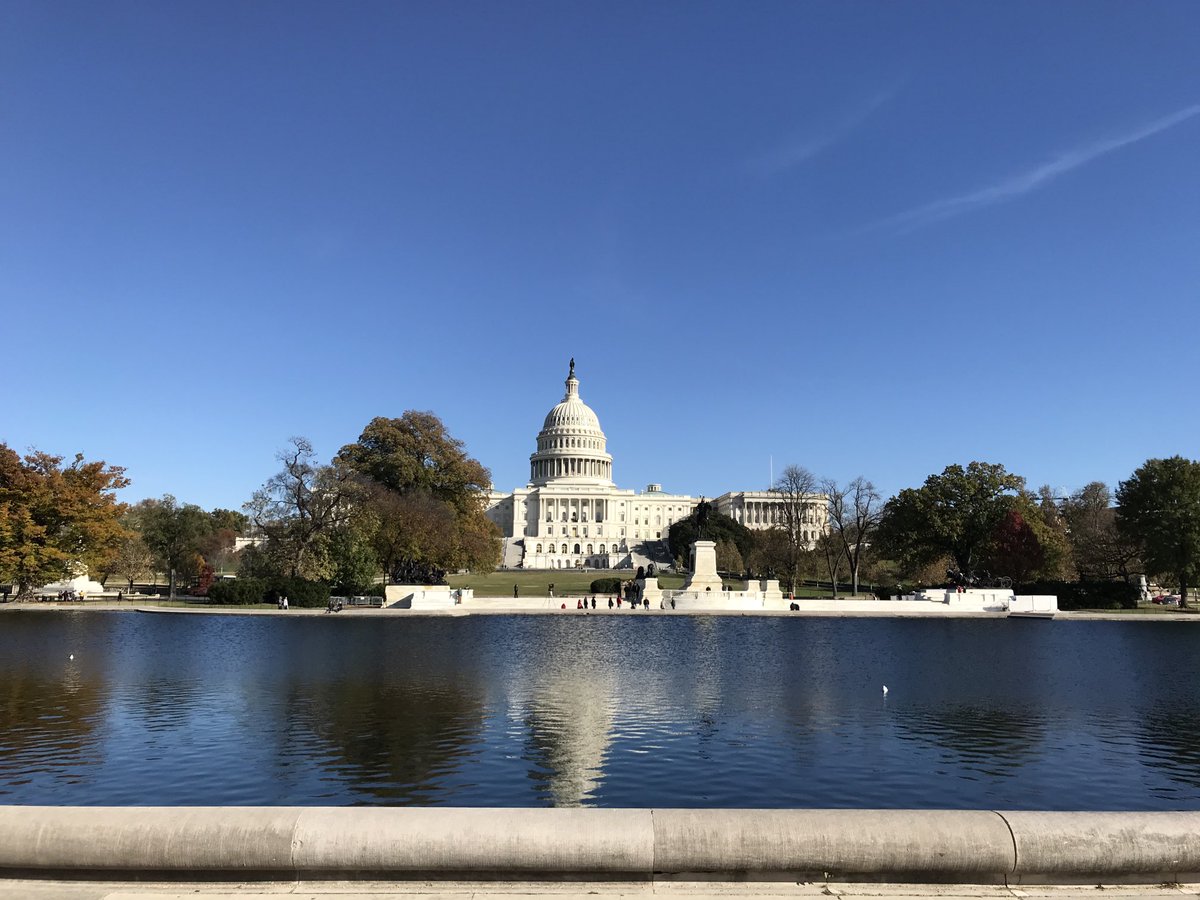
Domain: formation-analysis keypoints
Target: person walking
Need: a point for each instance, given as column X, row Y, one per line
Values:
column 515, row 592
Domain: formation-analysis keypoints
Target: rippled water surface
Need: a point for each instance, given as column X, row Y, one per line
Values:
column 595, row 710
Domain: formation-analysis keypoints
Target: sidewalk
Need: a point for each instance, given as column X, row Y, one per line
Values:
column 425, row 890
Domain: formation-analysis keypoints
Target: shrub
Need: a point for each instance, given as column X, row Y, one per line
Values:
column 299, row 592
column 237, row 592
column 1086, row 594
column 606, row 586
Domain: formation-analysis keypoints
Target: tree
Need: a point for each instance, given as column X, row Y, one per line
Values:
column 299, row 508
column 728, row 558
column 133, row 560
column 54, row 518
column 1015, row 551
column 172, row 531
column 1099, row 549
column 768, row 553
column 954, row 513
column 797, row 491
column 1030, row 542
column 854, row 513
column 833, row 551
column 415, row 454
column 425, row 497
column 1053, row 534
column 719, row 528
column 354, row 563
column 1159, row 507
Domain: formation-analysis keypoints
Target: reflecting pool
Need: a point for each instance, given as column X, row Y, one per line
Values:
column 570, row 709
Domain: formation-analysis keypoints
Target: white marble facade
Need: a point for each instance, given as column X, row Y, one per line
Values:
column 572, row 515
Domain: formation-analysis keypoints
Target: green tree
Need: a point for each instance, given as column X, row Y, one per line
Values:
column 172, row 531
column 423, row 497
column 1159, row 507
column 54, row 518
column 683, row 533
column 728, row 558
column 354, row 563
column 953, row 514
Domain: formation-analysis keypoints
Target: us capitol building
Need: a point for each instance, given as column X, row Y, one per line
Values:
column 571, row 515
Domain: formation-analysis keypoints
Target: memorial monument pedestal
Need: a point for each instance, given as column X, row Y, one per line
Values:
column 652, row 592
column 704, row 575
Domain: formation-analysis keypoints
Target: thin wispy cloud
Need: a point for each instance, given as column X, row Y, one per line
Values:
column 1033, row 179
column 800, row 148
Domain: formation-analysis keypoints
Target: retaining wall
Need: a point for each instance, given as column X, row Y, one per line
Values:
column 631, row 844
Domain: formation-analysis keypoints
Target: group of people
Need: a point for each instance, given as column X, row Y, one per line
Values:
column 584, row 603
column 282, row 602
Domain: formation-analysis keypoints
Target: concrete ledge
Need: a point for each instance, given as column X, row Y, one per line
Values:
column 811, row 843
column 1132, row 846
column 623, row 844
column 437, row 841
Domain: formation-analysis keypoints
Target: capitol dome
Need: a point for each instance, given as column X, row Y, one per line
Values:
column 571, row 445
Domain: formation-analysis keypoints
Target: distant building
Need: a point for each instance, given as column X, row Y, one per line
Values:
column 572, row 515
column 759, row 510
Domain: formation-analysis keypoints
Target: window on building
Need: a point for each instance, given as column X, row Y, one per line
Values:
column 601, row 549
column 576, row 548
column 564, row 548
column 539, row 548
column 589, row 550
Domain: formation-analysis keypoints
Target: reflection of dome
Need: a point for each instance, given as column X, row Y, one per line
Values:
column 571, row 446
column 568, row 718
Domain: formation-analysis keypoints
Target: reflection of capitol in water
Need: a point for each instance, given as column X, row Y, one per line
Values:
column 570, row 730
column 567, row 707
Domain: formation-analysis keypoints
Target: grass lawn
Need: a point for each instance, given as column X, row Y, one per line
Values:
column 572, row 582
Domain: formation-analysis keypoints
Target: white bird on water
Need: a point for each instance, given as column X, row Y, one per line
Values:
column 885, row 690
column 72, row 656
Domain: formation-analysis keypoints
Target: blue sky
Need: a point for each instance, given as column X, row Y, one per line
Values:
column 867, row 238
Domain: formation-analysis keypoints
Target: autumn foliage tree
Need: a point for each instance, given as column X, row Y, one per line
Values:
column 1015, row 550
column 424, row 497
column 55, row 518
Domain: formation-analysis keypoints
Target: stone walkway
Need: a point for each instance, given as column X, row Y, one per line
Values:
column 366, row 890
column 504, row 606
